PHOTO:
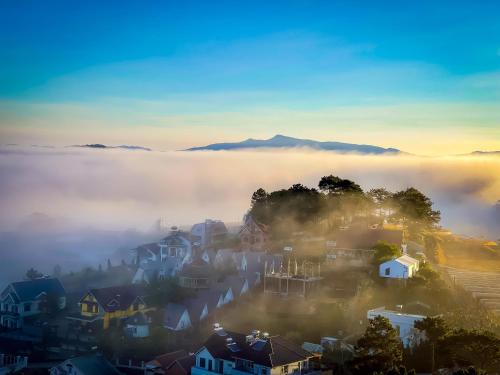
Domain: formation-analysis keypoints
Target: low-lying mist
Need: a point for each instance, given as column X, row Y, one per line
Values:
column 86, row 200
column 115, row 189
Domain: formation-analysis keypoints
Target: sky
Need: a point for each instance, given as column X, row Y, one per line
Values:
column 421, row 76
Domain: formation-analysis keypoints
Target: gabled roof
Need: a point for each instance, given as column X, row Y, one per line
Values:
column 236, row 283
column 167, row 359
column 176, row 238
column 251, row 225
column 211, row 297
column 270, row 352
column 32, row 289
column 118, row 297
column 182, row 366
column 145, row 250
column 195, row 307
column 406, row 259
column 173, row 314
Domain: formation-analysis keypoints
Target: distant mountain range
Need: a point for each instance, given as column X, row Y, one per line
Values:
column 125, row 147
column 281, row 141
column 481, row 153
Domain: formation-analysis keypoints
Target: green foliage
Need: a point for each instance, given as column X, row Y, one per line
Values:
column 285, row 208
column 378, row 350
column 480, row 349
column 398, row 371
column 469, row 371
column 337, row 186
column 385, row 251
column 33, row 274
column 300, row 208
column 414, row 207
column 435, row 328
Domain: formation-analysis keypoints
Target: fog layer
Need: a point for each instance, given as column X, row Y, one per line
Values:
column 117, row 189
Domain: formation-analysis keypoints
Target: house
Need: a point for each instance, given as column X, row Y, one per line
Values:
column 164, row 259
column 402, row 323
column 12, row 363
column 225, row 259
column 23, row 299
column 161, row 363
column 175, row 363
column 137, row 325
column 208, row 232
column 146, row 253
column 182, row 366
column 176, row 317
column 253, row 235
column 403, row 267
column 239, row 285
column 196, row 275
column 85, row 365
column 234, row 353
column 110, row 306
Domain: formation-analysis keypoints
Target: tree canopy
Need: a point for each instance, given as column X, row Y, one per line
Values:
column 414, row 206
column 378, row 350
column 335, row 201
column 385, row 251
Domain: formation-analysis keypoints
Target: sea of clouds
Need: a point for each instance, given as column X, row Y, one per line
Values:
column 117, row 189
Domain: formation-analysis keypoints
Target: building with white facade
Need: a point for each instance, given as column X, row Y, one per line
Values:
column 31, row 297
column 402, row 323
column 163, row 259
column 232, row 353
column 403, row 267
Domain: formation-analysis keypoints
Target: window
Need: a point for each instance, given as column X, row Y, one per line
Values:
column 202, row 362
column 209, row 365
column 27, row 307
column 387, row 271
column 285, row 369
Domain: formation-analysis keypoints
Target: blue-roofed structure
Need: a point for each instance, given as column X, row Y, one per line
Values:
column 31, row 297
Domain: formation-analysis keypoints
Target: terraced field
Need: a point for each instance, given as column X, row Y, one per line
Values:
column 485, row 286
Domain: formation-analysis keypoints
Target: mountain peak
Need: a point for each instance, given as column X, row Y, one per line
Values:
column 280, row 141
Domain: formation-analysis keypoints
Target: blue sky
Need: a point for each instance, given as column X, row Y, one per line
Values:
column 173, row 73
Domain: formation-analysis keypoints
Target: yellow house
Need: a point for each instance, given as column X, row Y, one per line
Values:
column 112, row 304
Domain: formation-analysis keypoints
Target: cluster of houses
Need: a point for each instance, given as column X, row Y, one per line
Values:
column 216, row 277
column 224, row 352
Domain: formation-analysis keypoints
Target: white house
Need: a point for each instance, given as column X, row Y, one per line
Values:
column 137, row 325
column 26, row 298
column 402, row 323
column 164, row 259
column 234, row 353
column 403, row 267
